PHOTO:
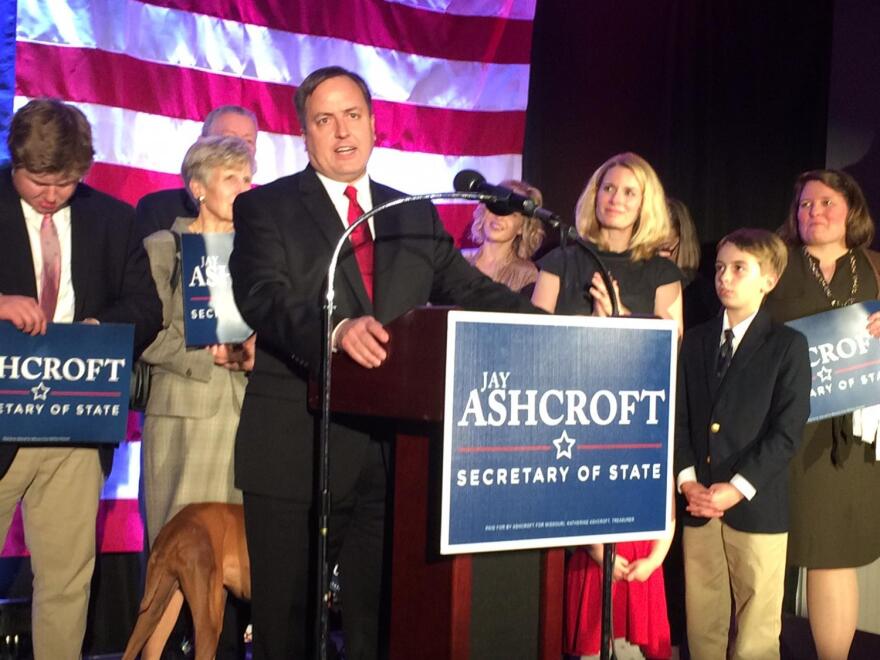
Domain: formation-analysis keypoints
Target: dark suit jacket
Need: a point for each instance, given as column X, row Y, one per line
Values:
column 284, row 236
column 749, row 423
column 158, row 210
column 111, row 277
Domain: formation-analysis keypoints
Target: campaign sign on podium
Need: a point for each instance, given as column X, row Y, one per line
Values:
column 845, row 359
column 69, row 385
column 557, row 430
column 210, row 315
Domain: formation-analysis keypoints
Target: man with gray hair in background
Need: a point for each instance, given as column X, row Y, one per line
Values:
column 158, row 210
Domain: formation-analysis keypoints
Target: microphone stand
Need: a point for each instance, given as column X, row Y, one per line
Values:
column 324, row 434
column 567, row 232
column 609, row 554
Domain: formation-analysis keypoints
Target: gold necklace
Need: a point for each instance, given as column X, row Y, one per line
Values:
column 820, row 278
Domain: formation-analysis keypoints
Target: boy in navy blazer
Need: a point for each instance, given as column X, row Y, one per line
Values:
column 743, row 400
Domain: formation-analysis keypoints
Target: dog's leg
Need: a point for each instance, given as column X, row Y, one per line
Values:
column 160, row 588
column 156, row 643
column 206, row 597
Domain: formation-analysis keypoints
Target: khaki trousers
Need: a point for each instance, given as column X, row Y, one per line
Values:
column 59, row 488
column 719, row 560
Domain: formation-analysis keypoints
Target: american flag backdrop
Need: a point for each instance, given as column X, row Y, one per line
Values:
column 449, row 79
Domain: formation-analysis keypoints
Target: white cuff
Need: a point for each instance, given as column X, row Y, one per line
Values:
column 743, row 485
column 685, row 476
column 333, row 335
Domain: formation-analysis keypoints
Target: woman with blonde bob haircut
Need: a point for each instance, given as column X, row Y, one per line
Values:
column 507, row 243
column 623, row 212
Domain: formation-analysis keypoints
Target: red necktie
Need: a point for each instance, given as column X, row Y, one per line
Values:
column 361, row 240
column 51, row 251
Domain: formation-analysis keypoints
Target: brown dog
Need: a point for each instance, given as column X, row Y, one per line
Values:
column 199, row 551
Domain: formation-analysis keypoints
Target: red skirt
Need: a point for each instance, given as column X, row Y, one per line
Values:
column 639, row 607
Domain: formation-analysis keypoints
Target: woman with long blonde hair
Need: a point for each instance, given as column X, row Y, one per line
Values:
column 623, row 212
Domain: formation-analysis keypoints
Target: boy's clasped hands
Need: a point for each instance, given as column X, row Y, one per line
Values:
column 710, row 502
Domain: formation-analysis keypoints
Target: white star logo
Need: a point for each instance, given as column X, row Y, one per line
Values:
column 563, row 445
column 824, row 374
column 40, row 392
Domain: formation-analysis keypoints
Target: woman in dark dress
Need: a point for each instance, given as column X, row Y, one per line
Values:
column 623, row 212
column 835, row 478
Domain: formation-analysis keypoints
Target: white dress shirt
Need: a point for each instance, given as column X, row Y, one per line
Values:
column 737, row 481
column 64, row 309
column 336, row 191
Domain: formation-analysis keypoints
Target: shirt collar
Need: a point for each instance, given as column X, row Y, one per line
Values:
column 35, row 218
column 739, row 329
column 336, row 190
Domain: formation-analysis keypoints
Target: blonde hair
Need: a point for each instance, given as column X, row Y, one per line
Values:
column 687, row 258
column 213, row 151
column 766, row 247
column 652, row 226
column 527, row 243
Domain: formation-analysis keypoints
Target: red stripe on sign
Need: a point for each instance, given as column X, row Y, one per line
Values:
column 503, row 449
column 78, row 393
column 385, row 25
column 87, row 75
column 119, row 529
column 650, row 445
column 856, row 367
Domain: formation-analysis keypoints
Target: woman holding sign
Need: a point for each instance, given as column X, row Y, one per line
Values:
column 835, row 478
column 195, row 393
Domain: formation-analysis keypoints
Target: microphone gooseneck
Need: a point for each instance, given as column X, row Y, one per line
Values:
column 505, row 201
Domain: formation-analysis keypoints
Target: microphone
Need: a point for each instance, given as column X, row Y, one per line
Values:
column 506, row 201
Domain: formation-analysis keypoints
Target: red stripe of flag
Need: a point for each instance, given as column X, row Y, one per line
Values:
column 130, row 184
column 122, row 81
column 381, row 24
column 119, row 529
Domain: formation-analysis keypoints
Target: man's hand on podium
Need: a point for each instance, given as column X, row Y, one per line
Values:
column 363, row 338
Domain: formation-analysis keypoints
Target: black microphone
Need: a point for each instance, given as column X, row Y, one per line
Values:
column 506, row 201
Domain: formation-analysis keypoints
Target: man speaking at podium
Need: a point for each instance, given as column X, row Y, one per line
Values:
column 285, row 234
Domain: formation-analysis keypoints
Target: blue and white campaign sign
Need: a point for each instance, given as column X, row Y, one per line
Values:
column 69, row 385
column 557, row 430
column 210, row 313
column 844, row 357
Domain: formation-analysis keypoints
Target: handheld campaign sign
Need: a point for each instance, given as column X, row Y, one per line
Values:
column 210, row 314
column 844, row 357
column 69, row 385
column 557, row 430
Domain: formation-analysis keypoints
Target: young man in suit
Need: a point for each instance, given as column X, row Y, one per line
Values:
column 68, row 254
column 743, row 400
column 158, row 210
column 285, row 233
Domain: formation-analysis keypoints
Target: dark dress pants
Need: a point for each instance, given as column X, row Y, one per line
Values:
column 282, row 542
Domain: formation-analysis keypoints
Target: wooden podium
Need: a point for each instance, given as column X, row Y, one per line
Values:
column 462, row 607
